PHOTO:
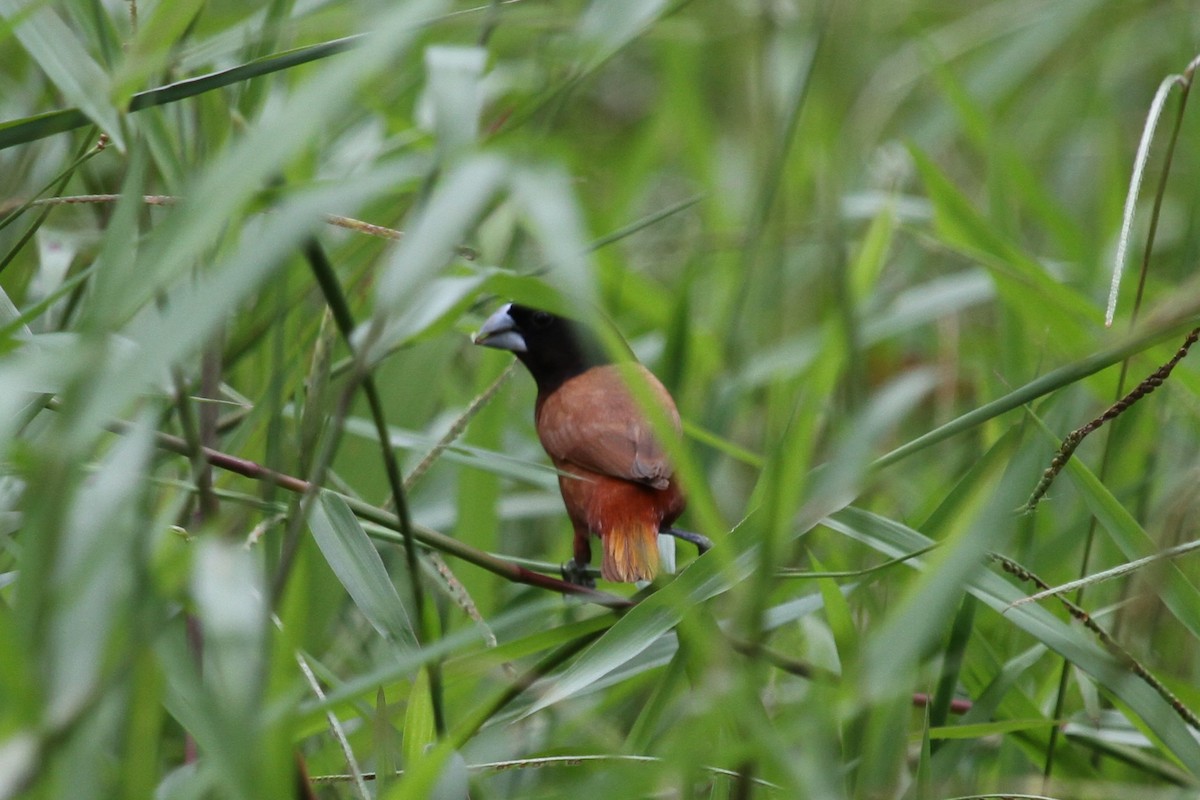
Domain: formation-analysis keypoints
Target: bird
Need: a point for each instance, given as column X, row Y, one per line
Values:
column 616, row 479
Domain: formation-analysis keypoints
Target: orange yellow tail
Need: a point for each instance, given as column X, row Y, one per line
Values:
column 630, row 554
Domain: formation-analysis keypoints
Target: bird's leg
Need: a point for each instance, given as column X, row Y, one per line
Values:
column 703, row 543
column 576, row 570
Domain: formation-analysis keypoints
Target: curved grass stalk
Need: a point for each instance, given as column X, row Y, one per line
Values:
column 1139, row 166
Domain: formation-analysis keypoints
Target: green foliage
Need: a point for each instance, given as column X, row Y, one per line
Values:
column 868, row 248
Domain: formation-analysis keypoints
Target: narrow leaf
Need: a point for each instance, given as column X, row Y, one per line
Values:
column 418, row 720
column 64, row 59
column 1070, row 642
column 356, row 562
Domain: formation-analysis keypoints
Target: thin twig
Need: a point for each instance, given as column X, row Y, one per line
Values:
column 426, row 536
column 59, row 183
column 349, row 223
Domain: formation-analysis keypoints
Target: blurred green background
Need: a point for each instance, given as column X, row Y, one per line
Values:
column 868, row 247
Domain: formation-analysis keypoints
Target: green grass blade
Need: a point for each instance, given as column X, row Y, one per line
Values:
column 1071, row 643
column 65, row 60
column 356, row 562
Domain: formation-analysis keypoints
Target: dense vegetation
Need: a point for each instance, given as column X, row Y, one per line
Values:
column 868, row 247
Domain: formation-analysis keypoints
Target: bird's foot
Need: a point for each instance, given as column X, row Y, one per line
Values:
column 578, row 574
column 703, row 543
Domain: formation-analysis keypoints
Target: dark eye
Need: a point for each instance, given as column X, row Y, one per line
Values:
column 542, row 318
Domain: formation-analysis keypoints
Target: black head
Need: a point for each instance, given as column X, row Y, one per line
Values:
column 554, row 348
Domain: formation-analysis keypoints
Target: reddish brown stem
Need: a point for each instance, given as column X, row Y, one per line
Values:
column 427, row 536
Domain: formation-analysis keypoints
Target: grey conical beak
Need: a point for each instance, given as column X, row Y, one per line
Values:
column 500, row 331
